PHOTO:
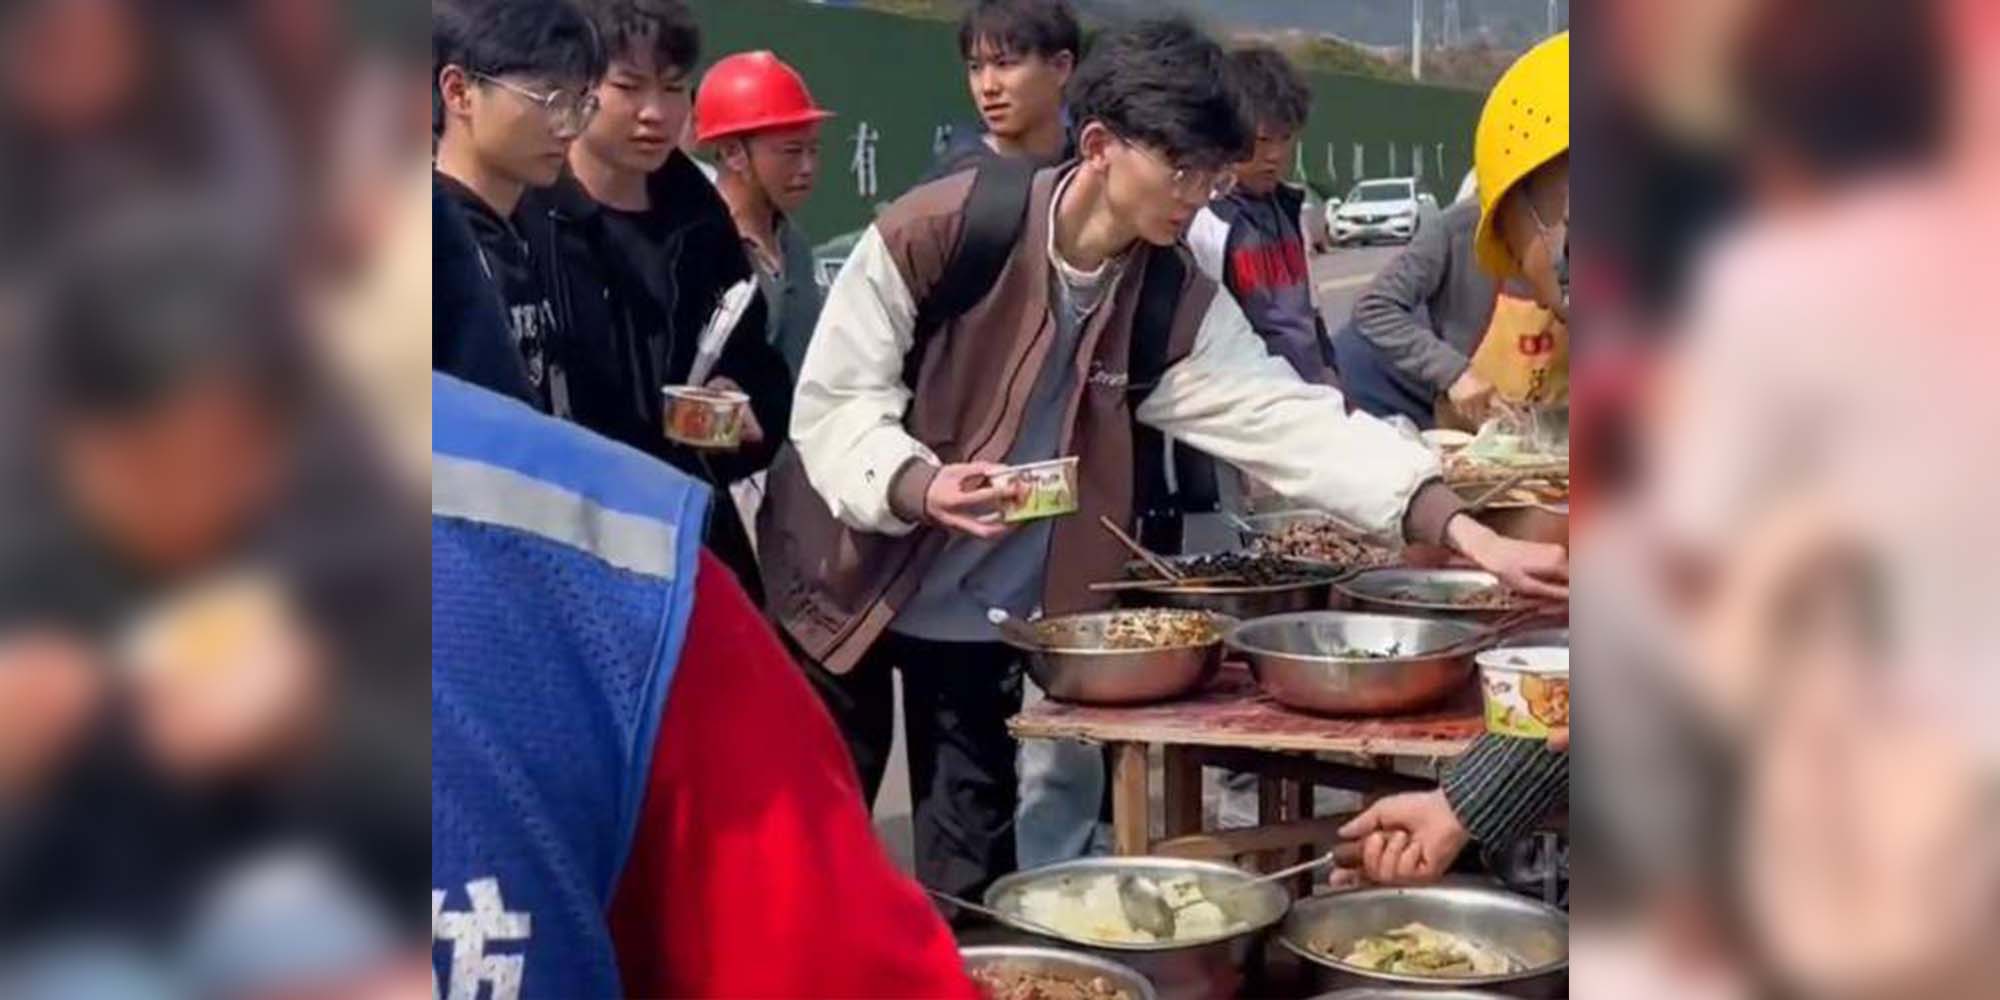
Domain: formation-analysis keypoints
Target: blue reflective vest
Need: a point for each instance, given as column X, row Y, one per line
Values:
column 562, row 580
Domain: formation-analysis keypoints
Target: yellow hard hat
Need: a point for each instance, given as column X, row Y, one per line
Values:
column 1525, row 125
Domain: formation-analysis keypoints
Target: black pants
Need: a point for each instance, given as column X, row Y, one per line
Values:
column 957, row 698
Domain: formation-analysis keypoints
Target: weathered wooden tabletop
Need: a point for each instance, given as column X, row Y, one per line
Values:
column 1231, row 712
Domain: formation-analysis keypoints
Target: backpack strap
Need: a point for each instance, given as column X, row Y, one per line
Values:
column 1159, row 503
column 995, row 214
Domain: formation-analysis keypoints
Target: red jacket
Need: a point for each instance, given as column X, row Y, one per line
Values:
column 755, row 872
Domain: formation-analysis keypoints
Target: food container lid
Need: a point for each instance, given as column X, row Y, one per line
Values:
column 704, row 394
column 1527, row 659
column 1054, row 463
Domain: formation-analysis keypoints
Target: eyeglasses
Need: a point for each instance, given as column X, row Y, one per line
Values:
column 1188, row 182
column 567, row 110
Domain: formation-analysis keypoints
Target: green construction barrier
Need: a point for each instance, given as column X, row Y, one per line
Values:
column 902, row 78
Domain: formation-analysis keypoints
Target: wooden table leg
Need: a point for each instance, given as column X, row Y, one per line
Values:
column 1131, row 827
column 1182, row 773
column 1271, row 812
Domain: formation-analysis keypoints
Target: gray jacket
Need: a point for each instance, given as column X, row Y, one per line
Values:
column 1427, row 311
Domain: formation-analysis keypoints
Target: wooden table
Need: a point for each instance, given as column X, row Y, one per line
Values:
column 1231, row 724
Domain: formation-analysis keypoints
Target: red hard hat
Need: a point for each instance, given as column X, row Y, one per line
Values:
column 751, row 92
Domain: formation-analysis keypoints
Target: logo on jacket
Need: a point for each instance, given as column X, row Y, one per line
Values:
column 1268, row 266
column 470, row 932
column 1100, row 378
column 533, row 325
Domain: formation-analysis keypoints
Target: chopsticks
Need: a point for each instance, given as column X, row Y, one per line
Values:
column 1159, row 565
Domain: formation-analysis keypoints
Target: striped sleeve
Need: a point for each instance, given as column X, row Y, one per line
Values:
column 1503, row 786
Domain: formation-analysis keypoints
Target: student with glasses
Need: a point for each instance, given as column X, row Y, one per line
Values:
column 513, row 88
column 883, row 549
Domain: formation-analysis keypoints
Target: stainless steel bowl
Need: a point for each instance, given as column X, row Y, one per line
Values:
column 1535, row 637
column 1193, row 970
column 1242, row 603
column 1382, row 590
column 1400, row 993
column 1298, row 660
column 1533, row 933
column 1057, row 962
column 1081, row 669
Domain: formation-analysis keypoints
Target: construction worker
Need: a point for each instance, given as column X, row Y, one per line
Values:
column 755, row 112
column 1502, row 786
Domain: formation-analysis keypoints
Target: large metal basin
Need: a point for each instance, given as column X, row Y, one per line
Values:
column 1243, row 603
column 1405, row 590
column 1195, row 970
column 1402, row 993
column 1533, row 933
column 1061, row 962
column 1299, row 660
column 1082, row 670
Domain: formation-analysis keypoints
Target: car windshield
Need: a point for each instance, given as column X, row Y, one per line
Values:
column 1381, row 191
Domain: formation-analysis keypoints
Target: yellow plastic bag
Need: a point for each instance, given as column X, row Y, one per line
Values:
column 1525, row 353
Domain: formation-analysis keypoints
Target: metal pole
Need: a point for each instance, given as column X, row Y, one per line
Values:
column 1417, row 39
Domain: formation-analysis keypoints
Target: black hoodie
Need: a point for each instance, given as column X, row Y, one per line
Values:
column 528, row 293
column 634, row 292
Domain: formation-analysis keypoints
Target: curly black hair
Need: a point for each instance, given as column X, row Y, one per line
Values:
column 1164, row 83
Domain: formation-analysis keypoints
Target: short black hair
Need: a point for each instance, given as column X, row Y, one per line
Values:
column 157, row 301
column 666, row 27
column 549, row 39
column 1164, row 83
column 1271, row 88
column 1021, row 27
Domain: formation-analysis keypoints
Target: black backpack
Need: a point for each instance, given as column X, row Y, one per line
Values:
column 995, row 214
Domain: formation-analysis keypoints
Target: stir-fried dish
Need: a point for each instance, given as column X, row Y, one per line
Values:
column 1416, row 949
column 1007, row 984
column 1323, row 541
column 1146, row 629
column 1241, row 569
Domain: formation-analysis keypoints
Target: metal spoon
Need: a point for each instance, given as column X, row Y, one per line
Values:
column 1242, row 525
column 1014, row 628
column 1149, row 911
column 1005, row 918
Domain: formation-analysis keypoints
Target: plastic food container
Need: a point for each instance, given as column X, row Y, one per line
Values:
column 705, row 418
column 1526, row 689
column 1051, row 490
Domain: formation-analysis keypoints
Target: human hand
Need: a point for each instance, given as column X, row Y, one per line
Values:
column 1471, row 396
column 962, row 498
column 1408, row 839
column 225, row 679
column 1536, row 569
column 50, row 689
column 753, row 432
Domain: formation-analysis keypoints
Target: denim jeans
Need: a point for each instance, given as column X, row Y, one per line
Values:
column 1062, row 789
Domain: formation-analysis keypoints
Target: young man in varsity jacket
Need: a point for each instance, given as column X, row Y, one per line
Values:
column 1249, row 238
column 880, row 545
column 632, row 791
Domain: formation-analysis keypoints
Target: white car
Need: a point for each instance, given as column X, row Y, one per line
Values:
column 1387, row 209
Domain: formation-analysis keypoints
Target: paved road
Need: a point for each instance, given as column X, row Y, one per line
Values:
column 1341, row 277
